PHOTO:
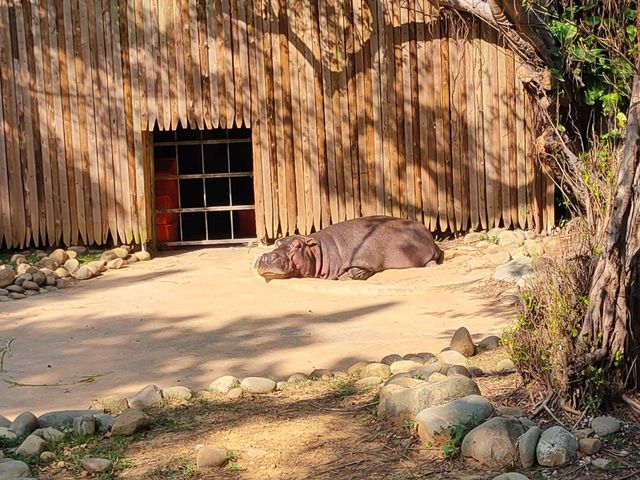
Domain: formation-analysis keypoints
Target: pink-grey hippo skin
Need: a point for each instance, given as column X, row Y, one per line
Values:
column 355, row 249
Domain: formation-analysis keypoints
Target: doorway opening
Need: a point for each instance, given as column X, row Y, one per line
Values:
column 203, row 187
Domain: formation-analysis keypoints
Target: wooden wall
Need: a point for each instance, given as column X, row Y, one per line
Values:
column 356, row 107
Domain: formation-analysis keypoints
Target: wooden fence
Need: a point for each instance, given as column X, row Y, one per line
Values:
column 356, row 107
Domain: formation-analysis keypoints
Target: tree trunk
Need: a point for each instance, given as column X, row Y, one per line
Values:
column 612, row 322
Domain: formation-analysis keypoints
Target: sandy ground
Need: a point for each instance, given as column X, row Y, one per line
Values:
column 188, row 317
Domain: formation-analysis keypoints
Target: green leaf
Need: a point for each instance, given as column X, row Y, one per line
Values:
column 565, row 31
column 621, row 119
column 632, row 33
column 610, row 102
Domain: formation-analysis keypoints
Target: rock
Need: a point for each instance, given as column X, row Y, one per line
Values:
column 499, row 258
column 533, row 248
column 458, row 370
column 47, row 263
column 589, row 446
column 115, row 403
column 258, row 385
column 16, row 295
column 142, row 256
column 599, row 463
column 49, row 434
column 62, row 418
column 8, row 434
column 402, row 366
column 435, row 423
column 147, row 397
column 6, row 277
column 430, row 368
column 407, row 382
column 59, row 256
column 46, row 457
column 71, row 265
column 556, row 447
column 78, row 249
column 71, row 254
column 489, row 343
column 514, row 270
column 405, row 405
column 376, row 369
column 527, row 444
column 96, row 267
column 19, row 258
column 4, row 421
column 62, row 272
column 104, row 422
column 493, row 444
column 85, row 425
column 32, row 446
column 427, row 356
column 96, row 465
column 210, row 457
column 516, row 412
column 131, row 259
column 473, row 237
column 508, row 237
column 365, row 382
column 23, row 277
column 50, row 280
column 389, row 359
column 506, row 365
column 22, row 268
column 63, row 283
column 415, row 357
column 297, row 377
column 321, row 374
column 177, row 393
column 604, row 426
column 224, row 384
column 462, row 342
column 24, row 424
column 83, row 273
column 115, row 264
column 389, row 390
column 235, row 393
column 4, row 292
column 29, row 285
column 129, row 422
column 437, row 377
column 356, row 368
column 452, row 357
column 582, row 433
column 108, row 256
column 510, row 476
column 13, row 469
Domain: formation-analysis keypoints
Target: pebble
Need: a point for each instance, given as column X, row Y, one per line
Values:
column 258, row 385
column 605, row 425
column 96, row 465
column 210, row 457
column 589, row 446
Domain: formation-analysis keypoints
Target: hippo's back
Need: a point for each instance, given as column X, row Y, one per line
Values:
column 376, row 243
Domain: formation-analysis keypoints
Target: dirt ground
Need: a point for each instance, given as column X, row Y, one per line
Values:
column 188, row 317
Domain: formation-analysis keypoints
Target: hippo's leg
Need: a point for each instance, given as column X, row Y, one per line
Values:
column 355, row 273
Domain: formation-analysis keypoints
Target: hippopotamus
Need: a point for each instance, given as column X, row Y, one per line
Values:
column 354, row 249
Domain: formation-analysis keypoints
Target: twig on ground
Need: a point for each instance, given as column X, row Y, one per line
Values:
column 630, row 475
column 584, row 412
column 542, row 406
column 338, row 467
column 553, row 416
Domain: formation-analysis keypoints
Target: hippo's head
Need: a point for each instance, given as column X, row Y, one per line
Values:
column 294, row 256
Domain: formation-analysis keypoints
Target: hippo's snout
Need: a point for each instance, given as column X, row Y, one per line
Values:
column 273, row 265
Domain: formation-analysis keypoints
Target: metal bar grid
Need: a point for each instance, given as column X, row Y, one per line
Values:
column 229, row 175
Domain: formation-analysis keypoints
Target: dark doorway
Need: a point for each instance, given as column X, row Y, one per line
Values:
column 203, row 187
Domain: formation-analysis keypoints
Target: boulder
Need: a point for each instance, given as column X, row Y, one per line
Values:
column 527, row 444
column 147, row 397
column 7, row 275
column 406, row 404
column 462, row 342
column 224, row 384
column 177, row 393
column 556, row 447
column 494, row 443
column 14, row 469
column 605, row 425
column 435, row 423
column 32, row 446
column 24, row 424
column 258, row 385
column 452, row 357
column 376, row 369
column 129, row 422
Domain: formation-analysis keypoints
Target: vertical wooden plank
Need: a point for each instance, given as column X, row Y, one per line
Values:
column 238, row 79
column 40, row 106
column 374, row 130
column 291, row 33
column 156, row 64
column 344, row 142
column 87, row 89
column 196, row 71
column 104, row 75
column 177, row 73
column 456, row 75
column 26, row 131
column 164, row 29
column 213, row 58
column 228, row 63
column 521, row 153
column 5, row 205
column 146, row 54
column 361, row 33
column 399, row 177
column 350, row 112
column 140, row 58
column 327, row 96
column 473, row 141
column 415, row 86
column 489, row 116
column 503, row 135
column 221, row 43
column 389, row 111
column 254, row 46
column 441, row 94
column 244, row 59
column 407, row 112
column 203, row 43
column 335, row 56
column 138, row 118
column 176, row 81
column 187, row 70
column 512, row 165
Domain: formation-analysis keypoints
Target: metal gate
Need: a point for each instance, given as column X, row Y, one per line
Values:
column 203, row 187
